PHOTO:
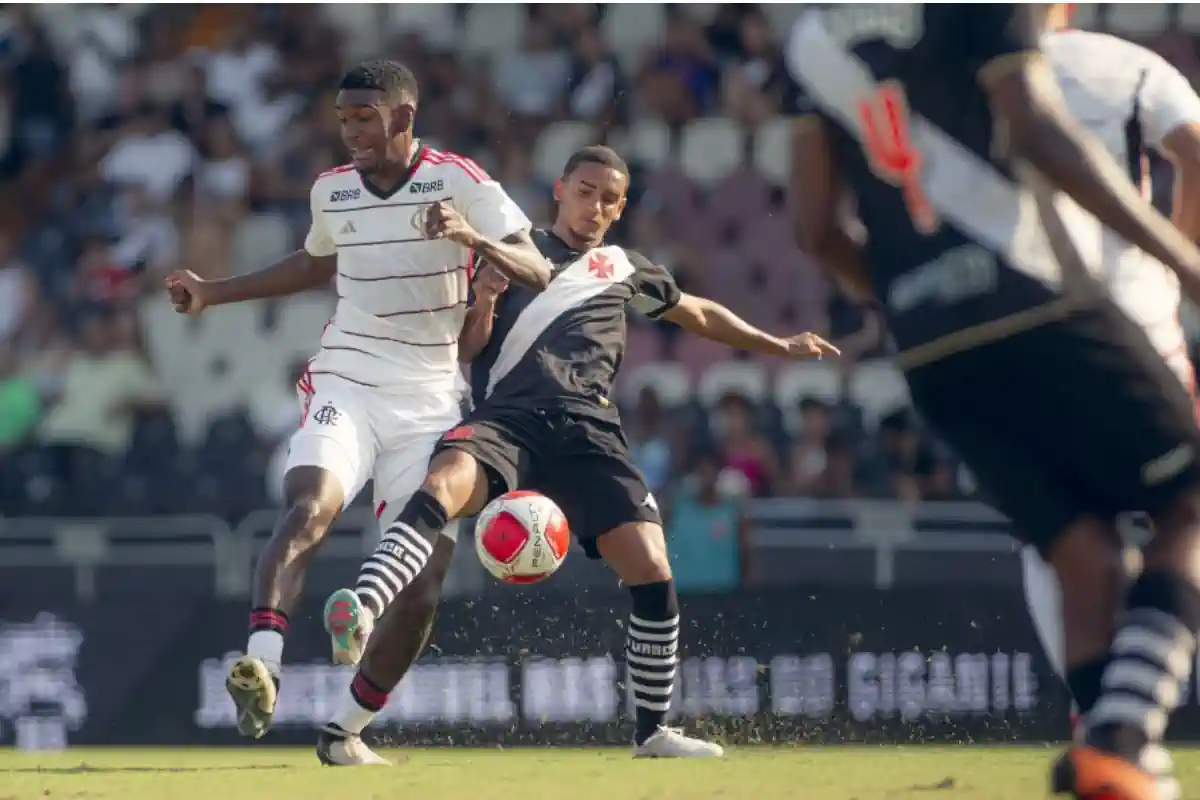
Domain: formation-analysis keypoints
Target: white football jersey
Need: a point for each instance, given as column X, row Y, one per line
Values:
column 1131, row 99
column 401, row 299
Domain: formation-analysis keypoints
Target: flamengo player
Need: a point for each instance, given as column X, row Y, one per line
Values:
column 386, row 383
column 543, row 421
column 1131, row 99
column 948, row 125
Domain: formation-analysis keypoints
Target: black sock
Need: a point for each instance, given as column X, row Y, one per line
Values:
column 1086, row 682
column 651, row 653
column 402, row 552
column 1152, row 656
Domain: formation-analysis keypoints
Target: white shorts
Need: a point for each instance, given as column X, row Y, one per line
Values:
column 358, row 433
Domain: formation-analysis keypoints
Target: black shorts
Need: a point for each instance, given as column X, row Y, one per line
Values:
column 581, row 463
column 1076, row 417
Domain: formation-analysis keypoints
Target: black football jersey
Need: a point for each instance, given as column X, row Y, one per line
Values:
column 562, row 347
column 956, row 240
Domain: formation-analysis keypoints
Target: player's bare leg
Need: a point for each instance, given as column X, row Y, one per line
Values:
column 1151, row 658
column 404, row 605
column 1074, row 598
column 313, row 498
column 637, row 552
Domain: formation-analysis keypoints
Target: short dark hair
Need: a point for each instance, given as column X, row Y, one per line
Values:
column 596, row 154
column 395, row 80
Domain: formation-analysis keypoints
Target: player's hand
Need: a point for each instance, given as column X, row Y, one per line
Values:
column 490, row 283
column 188, row 291
column 809, row 345
column 442, row 221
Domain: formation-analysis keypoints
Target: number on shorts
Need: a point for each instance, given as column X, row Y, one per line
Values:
column 887, row 141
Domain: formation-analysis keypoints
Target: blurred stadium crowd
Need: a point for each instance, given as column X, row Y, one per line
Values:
column 138, row 138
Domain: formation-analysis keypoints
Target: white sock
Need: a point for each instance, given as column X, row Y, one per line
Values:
column 352, row 717
column 267, row 646
column 1043, row 595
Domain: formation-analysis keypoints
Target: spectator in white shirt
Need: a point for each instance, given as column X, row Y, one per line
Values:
column 150, row 154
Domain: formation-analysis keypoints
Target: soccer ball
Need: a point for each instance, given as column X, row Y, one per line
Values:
column 522, row 537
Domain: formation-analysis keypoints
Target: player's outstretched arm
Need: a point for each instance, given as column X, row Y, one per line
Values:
column 299, row 272
column 1040, row 132
column 714, row 321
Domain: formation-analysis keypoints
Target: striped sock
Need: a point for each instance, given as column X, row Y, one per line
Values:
column 651, row 653
column 1152, row 657
column 401, row 555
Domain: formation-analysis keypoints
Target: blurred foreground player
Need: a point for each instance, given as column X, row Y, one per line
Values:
column 386, row 383
column 543, row 420
column 1133, row 101
column 948, row 129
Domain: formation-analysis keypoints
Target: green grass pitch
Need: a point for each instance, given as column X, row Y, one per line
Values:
column 811, row 773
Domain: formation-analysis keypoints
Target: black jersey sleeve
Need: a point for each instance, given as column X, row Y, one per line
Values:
column 473, row 268
column 654, row 289
column 997, row 30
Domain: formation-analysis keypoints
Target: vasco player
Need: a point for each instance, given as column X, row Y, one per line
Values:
column 385, row 384
column 1133, row 101
column 948, row 127
column 543, row 420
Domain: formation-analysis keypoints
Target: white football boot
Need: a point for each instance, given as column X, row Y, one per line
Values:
column 672, row 743
column 338, row 748
column 349, row 625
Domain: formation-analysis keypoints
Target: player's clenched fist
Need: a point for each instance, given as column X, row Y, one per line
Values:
column 490, row 283
column 442, row 221
column 188, row 291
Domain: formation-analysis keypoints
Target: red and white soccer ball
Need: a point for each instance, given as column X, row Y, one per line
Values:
column 522, row 537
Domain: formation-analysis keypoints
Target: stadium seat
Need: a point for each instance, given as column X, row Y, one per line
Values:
column 260, row 239
column 746, row 378
column 633, row 29
column 557, row 143
column 492, row 29
column 711, row 149
column 646, row 142
column 1136, row 19
column 668, row 379
column 740, row 197
column 878, row 388
column 434, row 21
column 818, row 379
column 772, row 150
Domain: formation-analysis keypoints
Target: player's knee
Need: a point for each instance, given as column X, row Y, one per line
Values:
column 637, row 552
column 452, row 479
